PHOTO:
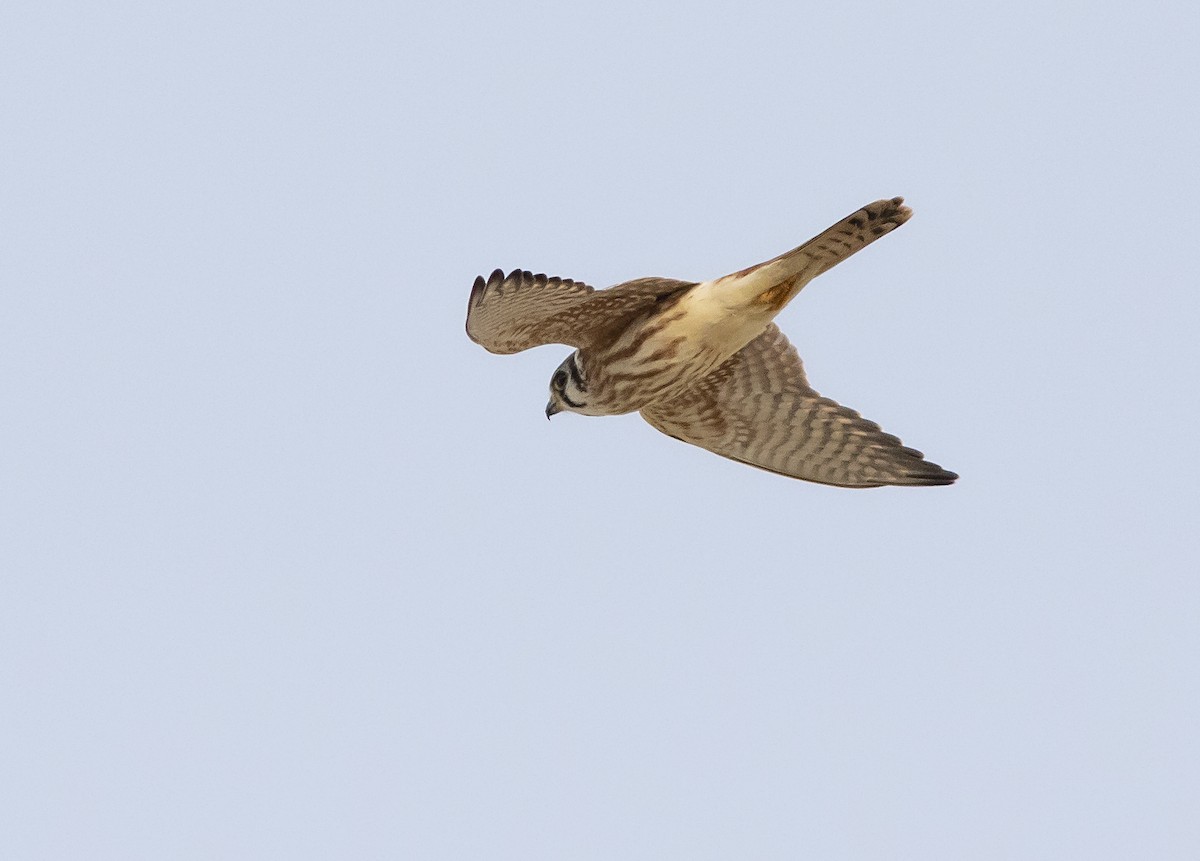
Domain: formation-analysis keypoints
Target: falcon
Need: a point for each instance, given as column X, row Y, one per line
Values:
column 703, row 362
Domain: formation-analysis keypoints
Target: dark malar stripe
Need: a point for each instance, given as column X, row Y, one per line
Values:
column 568, row 401
column 573, row 370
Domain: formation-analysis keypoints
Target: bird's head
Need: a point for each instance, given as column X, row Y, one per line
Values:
column 568, row 388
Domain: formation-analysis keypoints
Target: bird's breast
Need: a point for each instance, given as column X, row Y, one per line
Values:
column 666, row 353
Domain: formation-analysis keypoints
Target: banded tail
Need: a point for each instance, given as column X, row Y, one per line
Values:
column 779, row 280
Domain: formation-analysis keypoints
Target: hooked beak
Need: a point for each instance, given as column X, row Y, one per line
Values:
column 552, row 408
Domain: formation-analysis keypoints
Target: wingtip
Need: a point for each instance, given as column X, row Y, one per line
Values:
column 900, row 212
column 937, row 477
column 477, row 290
column 925, row 473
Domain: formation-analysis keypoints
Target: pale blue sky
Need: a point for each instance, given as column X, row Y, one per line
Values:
column 292, row 569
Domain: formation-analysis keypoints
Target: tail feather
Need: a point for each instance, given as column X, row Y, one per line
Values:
column 780, row 279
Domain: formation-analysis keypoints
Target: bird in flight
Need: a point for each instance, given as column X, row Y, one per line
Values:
column 703, row 362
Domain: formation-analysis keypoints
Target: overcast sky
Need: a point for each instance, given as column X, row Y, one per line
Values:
column 290, row 568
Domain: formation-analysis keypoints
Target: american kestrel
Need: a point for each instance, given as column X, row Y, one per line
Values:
column 703, row 362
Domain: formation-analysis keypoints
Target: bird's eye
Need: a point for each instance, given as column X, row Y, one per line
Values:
column 560, row 379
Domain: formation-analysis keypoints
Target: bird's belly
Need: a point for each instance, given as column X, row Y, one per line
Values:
column 665, row 356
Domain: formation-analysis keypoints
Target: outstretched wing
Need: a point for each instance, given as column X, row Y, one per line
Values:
column 523, row 310
column 758, row 408
column 507, row 315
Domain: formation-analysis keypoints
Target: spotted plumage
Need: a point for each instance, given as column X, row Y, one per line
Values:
column 703, row 362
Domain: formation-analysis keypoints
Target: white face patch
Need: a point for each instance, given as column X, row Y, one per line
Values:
column 568, row 387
